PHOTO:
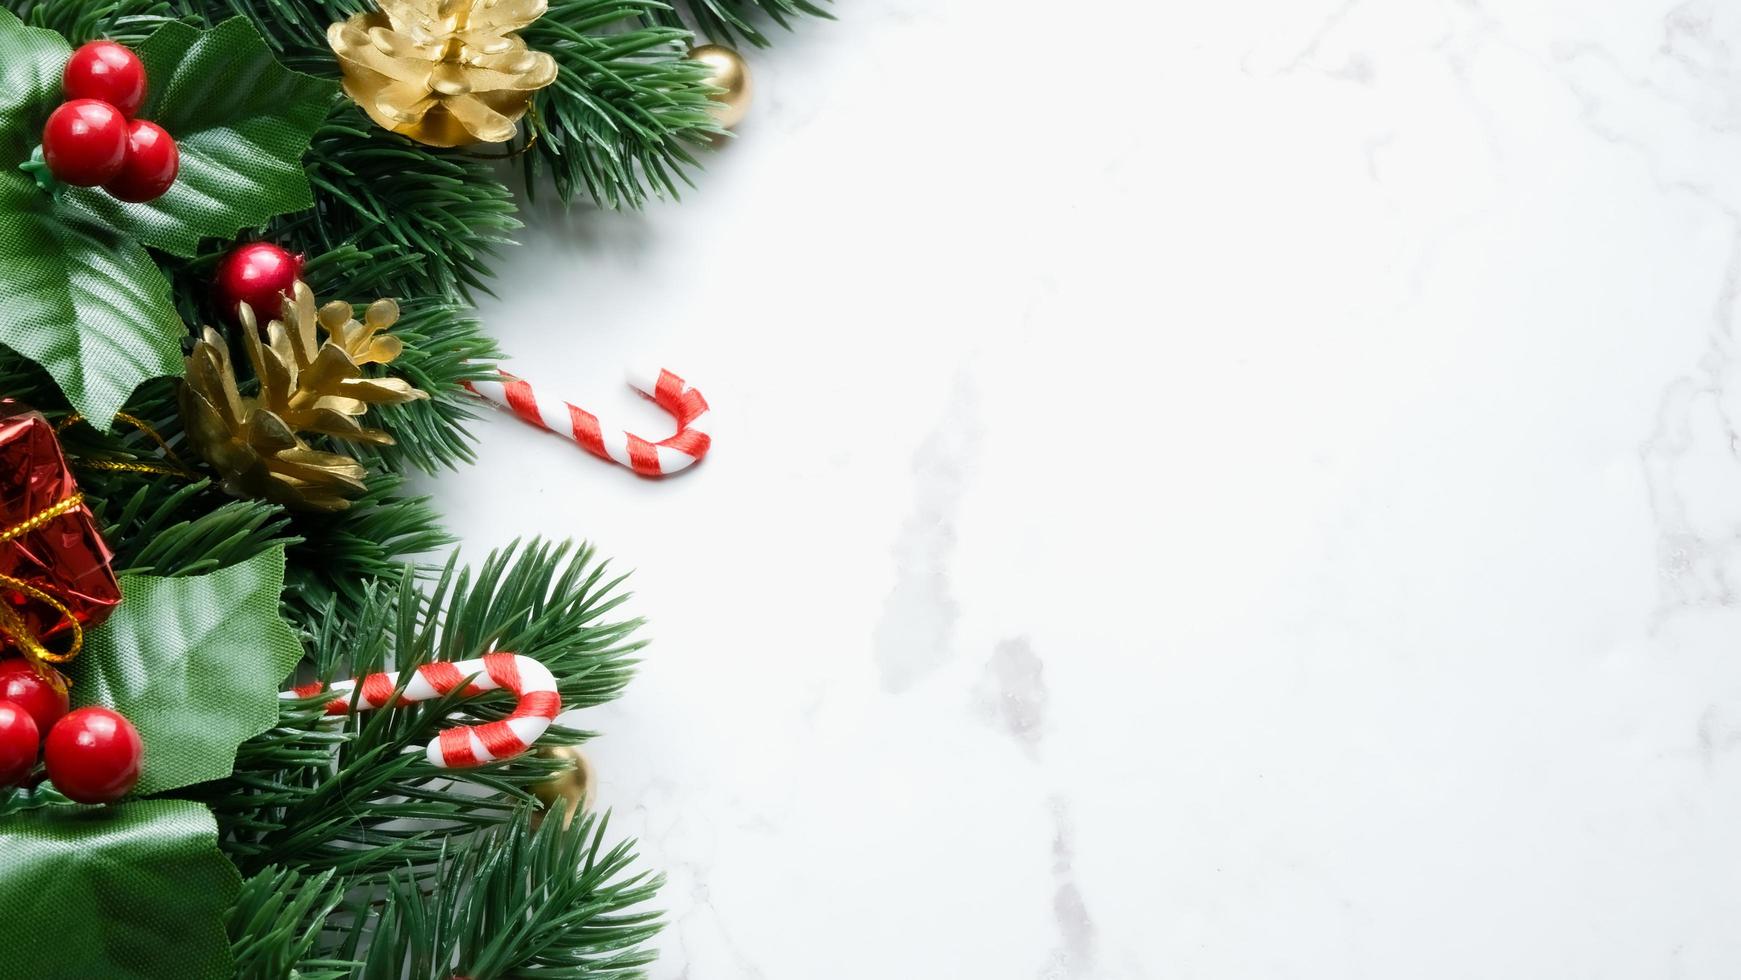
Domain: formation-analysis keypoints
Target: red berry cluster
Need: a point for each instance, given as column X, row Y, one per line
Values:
column 93, row 138
column 92, row 754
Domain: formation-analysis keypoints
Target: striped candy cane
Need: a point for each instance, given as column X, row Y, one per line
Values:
column 468, row 745
column 645, row 457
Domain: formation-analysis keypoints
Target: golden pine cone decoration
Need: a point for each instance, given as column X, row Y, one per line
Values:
column 256, row 443
column 443, row 72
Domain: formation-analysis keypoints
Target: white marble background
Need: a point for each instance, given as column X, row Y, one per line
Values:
column 1229, row 489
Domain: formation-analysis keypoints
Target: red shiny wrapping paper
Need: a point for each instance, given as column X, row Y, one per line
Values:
column 66, row 557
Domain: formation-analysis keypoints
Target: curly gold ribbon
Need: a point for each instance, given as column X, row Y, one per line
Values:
column 175, row 466
column 13, row 626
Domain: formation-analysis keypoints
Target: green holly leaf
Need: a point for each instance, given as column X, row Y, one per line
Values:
column 137, row 890
column 194, row 663
column 242, row 122
column 86, row 303
column 31, row 60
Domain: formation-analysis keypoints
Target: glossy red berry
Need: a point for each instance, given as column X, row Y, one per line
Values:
column 107, row 72
column 21, row 685
column 19, row 744
column 151, row 165
column 260, row 274
column 93, row 755
column 85, row 142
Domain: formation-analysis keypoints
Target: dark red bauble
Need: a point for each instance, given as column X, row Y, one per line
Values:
column 22, row 686
column 85, row 142
column 107, row 72
column 260, row 274
column 93, row 755
column 151, row 165
column 20, row 742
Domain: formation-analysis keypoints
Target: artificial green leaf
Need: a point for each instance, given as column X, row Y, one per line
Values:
column 31, row 60
column 242, row 122
column 87, row 304
column 195, row 663
column 137, row 890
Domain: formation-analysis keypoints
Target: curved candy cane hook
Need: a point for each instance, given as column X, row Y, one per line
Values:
column 468, row 745
column 648, row 458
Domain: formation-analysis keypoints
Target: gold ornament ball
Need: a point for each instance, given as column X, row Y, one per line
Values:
column 726, row 71
column 573, row 786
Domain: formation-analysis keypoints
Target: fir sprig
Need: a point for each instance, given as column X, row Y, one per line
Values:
column 342, row 555
column 387, row 196
column 127, row 21
column 726, row 20
column 626, row 110
column 154, row 538
column 519, row 902
column 363, row 799
column 277, row 924
column 445, row 347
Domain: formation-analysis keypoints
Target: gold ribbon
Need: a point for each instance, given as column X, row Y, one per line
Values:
column 13, row 626
column 175, row 467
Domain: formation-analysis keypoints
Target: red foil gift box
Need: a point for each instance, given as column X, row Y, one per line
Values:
column 65, row 557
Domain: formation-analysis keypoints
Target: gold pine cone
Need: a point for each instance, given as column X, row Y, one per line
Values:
column 256, row 443
column 443, row 72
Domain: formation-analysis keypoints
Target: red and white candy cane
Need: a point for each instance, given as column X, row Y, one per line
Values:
column 468, row 745
column 644, row 456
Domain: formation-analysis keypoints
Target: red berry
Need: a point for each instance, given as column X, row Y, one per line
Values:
column 85, row 142
column 107, row 72
column 20, row 684
column 93, row 755
column 151, row 164
column 19, row 744
column 260, row 274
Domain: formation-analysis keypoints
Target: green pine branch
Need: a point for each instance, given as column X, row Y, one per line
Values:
column 362, row 799
column 127, row 21
column 156, row 537
column 23, row 380
column 517, row 902
column 278, row 927
column 335, row 568
column 626, row 112
column 445, row 347
column 731, row 20
column 387, row 196
column 296, row 29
